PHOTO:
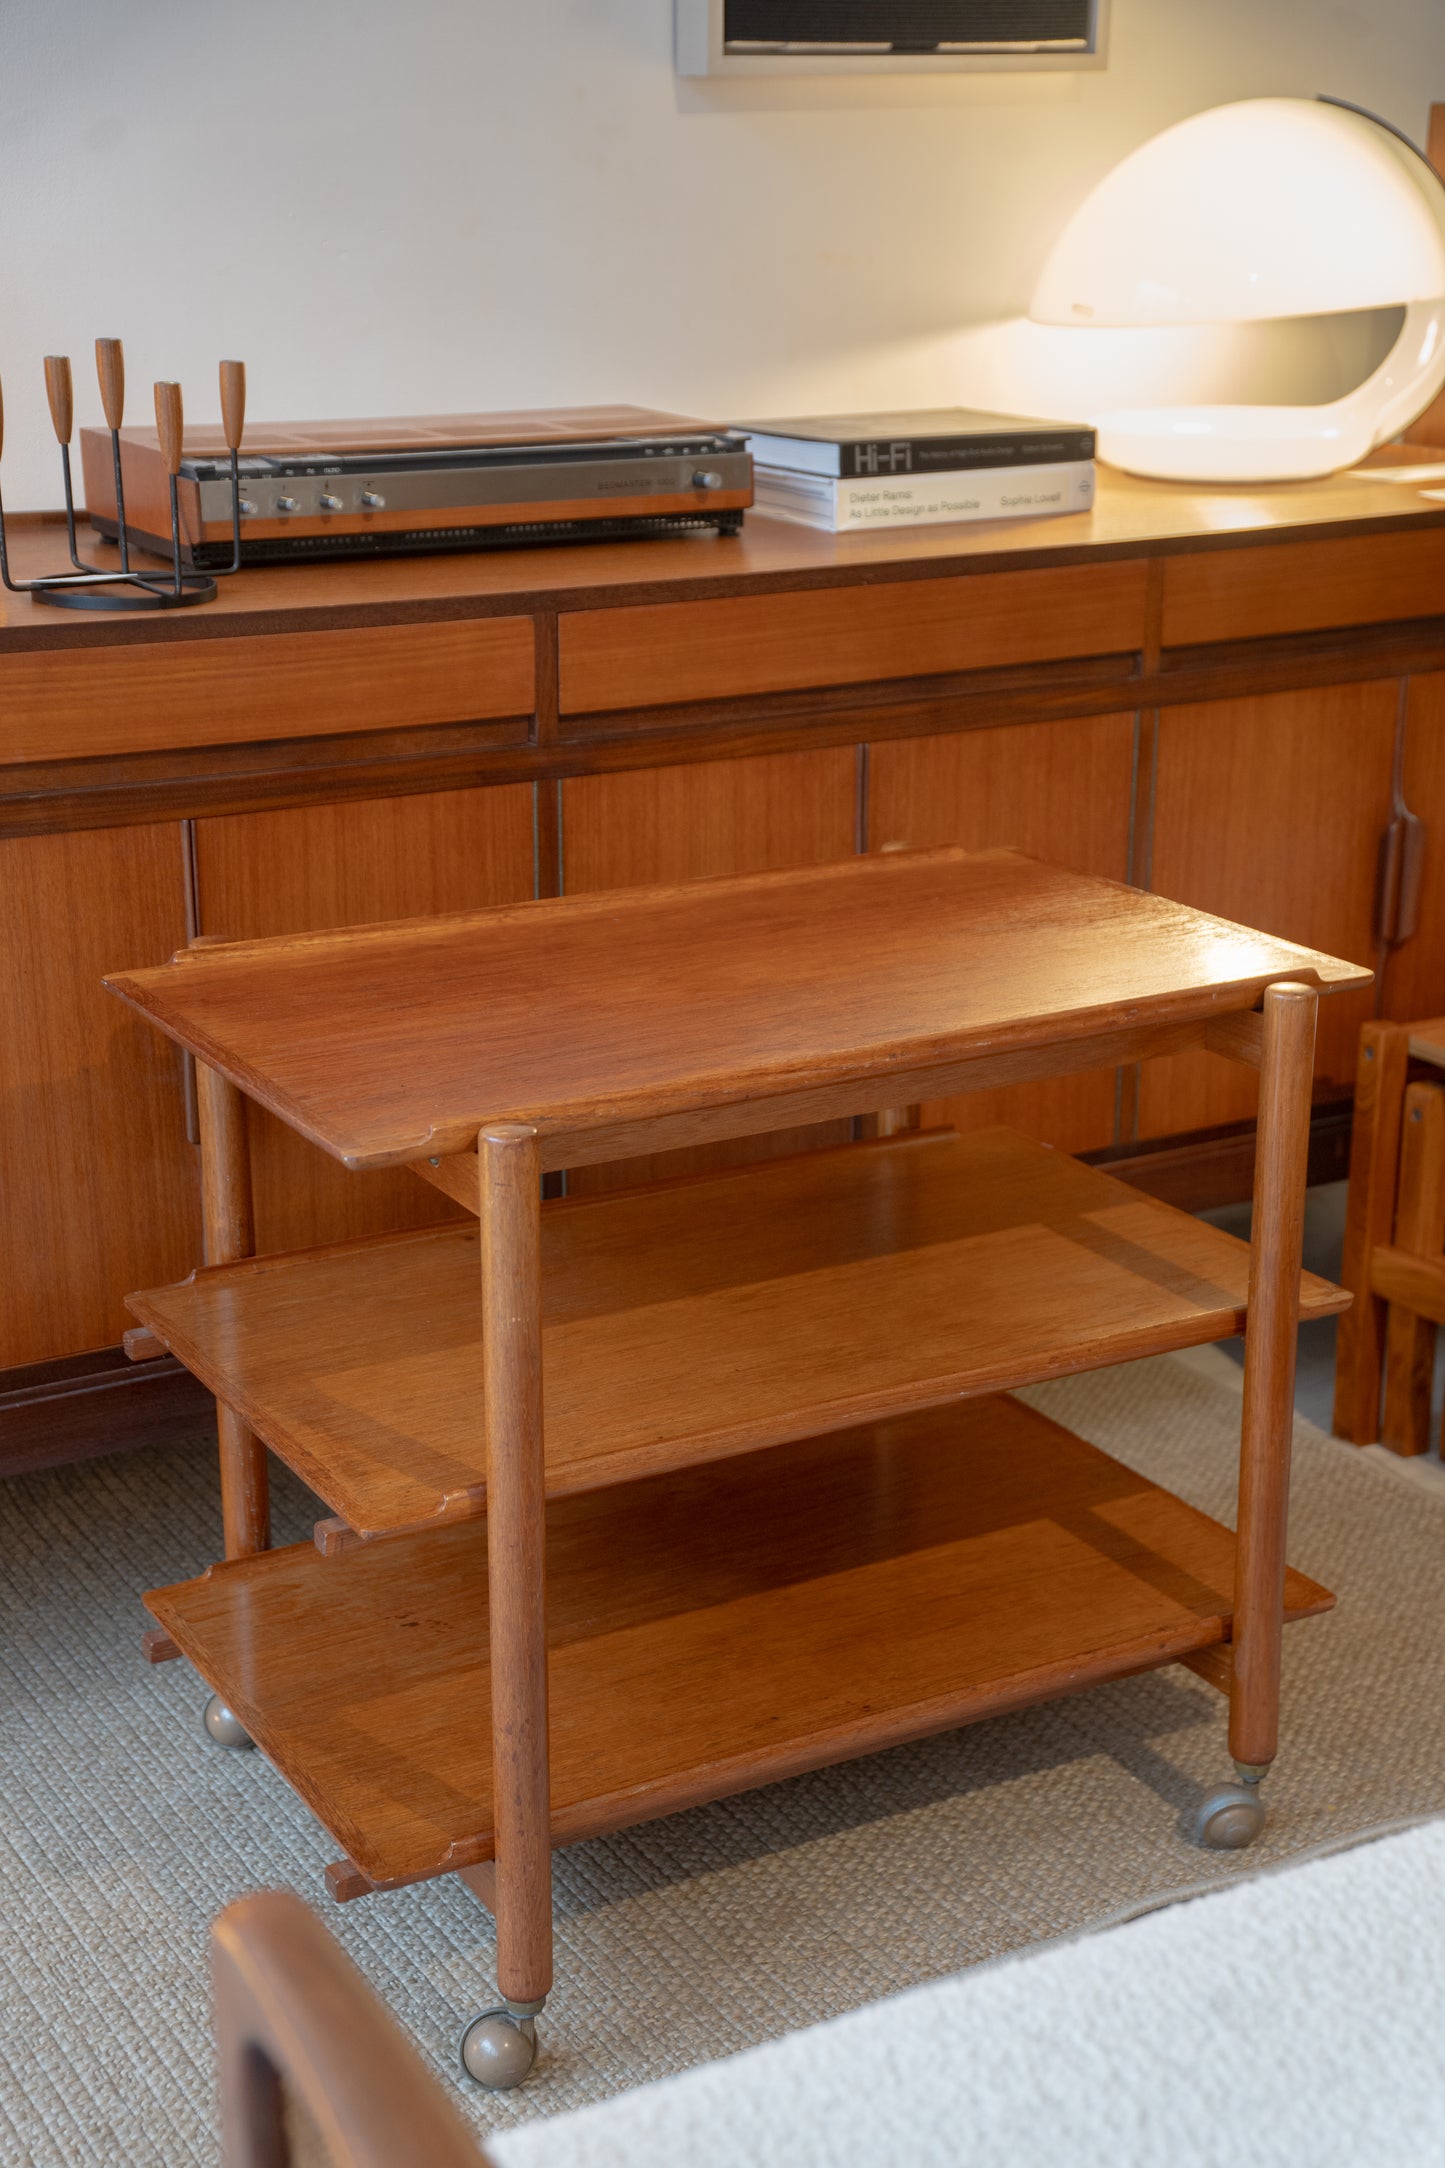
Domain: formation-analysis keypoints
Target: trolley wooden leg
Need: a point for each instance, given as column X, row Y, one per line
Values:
column 511, row 1190
column 1281, row 1164
column 1374, row 1156
column 229, row 1232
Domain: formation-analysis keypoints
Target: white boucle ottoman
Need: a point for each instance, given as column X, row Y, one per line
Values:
column 1295, row 2019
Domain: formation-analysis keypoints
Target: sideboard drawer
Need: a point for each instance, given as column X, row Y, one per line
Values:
column 657, row 654
column 1252, row 594
column 78, row 702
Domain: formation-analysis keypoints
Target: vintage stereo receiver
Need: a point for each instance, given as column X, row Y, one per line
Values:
column 450, row 482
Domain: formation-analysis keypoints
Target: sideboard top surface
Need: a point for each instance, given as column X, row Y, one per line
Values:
column 394, row 1043
column 1131, row 518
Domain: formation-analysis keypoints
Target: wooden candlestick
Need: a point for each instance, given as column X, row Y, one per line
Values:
column 233, row 402
column 170, row 422
column 61, row 394
column 110, row 368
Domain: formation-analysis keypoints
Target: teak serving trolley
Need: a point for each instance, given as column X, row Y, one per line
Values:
column 556, row 1414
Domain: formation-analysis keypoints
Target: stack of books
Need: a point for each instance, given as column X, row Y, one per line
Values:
column 851, row 471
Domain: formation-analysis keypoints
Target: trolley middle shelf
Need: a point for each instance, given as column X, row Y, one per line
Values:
column 708, row 1317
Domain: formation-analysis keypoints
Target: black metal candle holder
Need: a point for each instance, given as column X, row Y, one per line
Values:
column 95, row 587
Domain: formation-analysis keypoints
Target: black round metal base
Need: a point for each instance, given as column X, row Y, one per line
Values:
column 195, row 587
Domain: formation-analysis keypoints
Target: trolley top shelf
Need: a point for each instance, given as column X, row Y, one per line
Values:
column 584, row 1014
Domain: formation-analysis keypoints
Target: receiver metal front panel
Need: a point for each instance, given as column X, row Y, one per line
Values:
column 303, row 489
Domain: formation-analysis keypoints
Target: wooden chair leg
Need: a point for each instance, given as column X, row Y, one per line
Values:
column 1420, row 1229
column 1374, row 1157
column 229, row 1232
column 511, row 1193
column 1281, row 1164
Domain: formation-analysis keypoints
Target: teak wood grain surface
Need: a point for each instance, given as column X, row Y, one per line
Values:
column 659, row 653
column 693, row 823
column 279, row 685
column 876, row 1586
column 1231, row 749
column 1062, row 791
column 298, row 2028
column 661, row 1360
column 313, row 867
column 1415, row 972
column 1297, row 851
column 80, row 1085
column 392, row 1044
column 1419, row 1229
column 1130, row 519
column 1218, row 595
column 708, row 1317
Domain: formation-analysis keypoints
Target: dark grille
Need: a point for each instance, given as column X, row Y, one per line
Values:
column 908, row 25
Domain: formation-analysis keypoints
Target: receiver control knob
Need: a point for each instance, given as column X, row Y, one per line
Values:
column 329, row 504
column 287, row 504
column 706, row 479
column 373, row 500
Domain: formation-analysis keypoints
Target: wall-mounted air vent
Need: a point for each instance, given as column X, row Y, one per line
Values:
column 882, row 37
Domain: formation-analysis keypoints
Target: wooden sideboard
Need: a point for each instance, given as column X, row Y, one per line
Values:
column 1230, row 697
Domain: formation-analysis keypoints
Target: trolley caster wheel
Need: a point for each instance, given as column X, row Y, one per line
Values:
column 224, row 1727
column 498, row 2049
column 1231, row 1817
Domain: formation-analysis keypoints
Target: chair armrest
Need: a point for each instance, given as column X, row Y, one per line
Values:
column 291, row 2009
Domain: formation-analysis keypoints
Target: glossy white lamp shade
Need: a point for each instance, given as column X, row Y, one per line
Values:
column 1271, row 208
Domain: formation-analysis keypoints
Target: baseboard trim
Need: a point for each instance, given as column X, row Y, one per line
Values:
column 1211, row 1167
column 82, row 1406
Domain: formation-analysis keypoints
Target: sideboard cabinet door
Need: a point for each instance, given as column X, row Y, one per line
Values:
column 1269, row 811
column 98, row 1188
column 310, row 867
column 686, row 823
column 1415, row 973
column 1059, row 790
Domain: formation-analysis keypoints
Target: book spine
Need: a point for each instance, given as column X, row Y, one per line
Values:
column 876, row 459
column 928, row 500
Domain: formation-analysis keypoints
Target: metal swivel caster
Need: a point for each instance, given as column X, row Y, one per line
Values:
column 224, row 1727
column 499, row 2047
column 1230, row 1817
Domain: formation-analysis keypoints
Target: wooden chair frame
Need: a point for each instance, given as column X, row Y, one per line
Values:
column 293, row 2015
column 1394, row 1260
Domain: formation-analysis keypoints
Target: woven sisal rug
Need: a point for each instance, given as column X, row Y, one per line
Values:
column 122, row 1831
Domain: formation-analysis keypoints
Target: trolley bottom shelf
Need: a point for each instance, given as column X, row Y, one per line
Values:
column 715, row 1628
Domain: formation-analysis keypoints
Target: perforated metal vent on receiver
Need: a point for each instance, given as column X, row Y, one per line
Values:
column 796, row 37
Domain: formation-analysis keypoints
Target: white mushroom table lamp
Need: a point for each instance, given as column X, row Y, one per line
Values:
column 1271, row 208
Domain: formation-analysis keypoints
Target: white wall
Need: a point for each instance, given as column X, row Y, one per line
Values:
column 402, row 206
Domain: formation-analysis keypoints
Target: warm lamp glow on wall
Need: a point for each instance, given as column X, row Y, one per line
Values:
column 1276, row 207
